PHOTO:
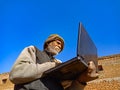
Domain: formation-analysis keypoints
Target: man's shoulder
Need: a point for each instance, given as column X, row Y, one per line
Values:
column 32, row 47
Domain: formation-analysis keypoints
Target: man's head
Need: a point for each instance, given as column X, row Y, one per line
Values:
column 54, row 44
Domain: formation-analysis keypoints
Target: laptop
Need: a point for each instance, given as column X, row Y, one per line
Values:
column 86, row 51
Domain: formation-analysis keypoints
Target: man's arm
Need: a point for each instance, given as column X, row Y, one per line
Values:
column 26, row 69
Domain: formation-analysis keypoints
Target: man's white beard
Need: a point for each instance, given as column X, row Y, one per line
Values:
column 51, row 50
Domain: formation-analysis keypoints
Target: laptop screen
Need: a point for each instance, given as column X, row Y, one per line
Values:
column 86, row 49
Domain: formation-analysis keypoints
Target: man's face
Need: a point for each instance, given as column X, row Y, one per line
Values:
column 54, row 47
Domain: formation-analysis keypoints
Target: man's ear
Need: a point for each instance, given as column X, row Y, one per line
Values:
column 46, row 45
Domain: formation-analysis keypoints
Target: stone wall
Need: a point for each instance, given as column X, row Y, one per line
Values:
column 5, row 84
column 109, row 78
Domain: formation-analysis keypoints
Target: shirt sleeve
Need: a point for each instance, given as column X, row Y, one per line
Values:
column 26, row 69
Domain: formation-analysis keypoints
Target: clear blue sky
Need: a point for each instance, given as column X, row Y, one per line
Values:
column 30, row 22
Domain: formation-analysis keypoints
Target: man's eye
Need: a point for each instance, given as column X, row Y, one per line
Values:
column 58, row 42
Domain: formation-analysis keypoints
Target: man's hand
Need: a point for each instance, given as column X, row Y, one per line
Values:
column 89, row 74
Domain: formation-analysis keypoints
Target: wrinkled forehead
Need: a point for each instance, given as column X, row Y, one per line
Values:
column 57, row 41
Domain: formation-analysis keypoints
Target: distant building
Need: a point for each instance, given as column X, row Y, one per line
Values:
column 109, row 78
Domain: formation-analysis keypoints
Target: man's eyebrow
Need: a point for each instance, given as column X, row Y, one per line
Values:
column 58, row 41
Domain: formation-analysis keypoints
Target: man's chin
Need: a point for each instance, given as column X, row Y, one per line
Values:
column 54, row 53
